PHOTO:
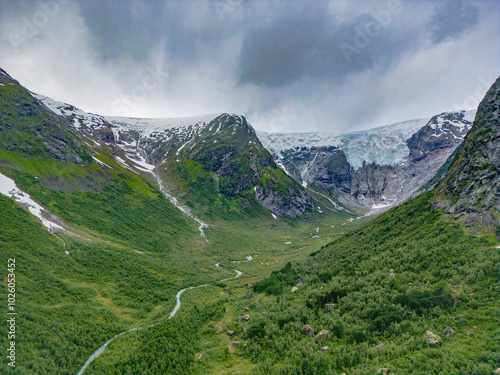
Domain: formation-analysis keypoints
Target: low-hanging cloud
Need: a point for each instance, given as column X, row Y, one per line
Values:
column 288, row 66
column 308, row 42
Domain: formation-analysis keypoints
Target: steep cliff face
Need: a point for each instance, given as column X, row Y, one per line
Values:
column 217, row 154
column 470, row 190
column 429, row 148
column 372, row 185
column 324, row 167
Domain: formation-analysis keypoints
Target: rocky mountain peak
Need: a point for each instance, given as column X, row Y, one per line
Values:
column 443, row 131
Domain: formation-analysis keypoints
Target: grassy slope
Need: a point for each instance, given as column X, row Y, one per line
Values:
column 441, row 277
column 143, row 250
column 72, row 304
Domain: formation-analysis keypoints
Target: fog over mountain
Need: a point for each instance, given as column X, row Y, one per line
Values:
column 292, row 66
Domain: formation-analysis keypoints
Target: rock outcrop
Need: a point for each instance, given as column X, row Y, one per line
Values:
column 288, row 202
column 470, row 190
column 325, row 166
column 323, row 335
column 308, row 330
column 449, row 332
column 433, row 339
column 330, row 307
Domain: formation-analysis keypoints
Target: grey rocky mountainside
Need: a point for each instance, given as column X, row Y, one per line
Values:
column 226, row 147
column 470, row 190
column 373, row 185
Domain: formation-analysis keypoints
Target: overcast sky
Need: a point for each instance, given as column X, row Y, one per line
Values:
column 288, row 66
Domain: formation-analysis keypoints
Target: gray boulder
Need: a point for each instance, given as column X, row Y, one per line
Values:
column 433, row 339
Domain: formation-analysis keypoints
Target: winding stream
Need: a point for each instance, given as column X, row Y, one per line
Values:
column 172, row 314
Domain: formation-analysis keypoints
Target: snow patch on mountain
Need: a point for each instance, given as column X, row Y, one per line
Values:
column 78, row 116
column 155, row 125
column 9, row 188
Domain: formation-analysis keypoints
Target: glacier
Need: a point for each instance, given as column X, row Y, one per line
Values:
column 384, row 145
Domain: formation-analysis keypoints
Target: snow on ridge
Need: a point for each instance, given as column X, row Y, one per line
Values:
column 69, row 111
column 158, row 124
column 454, row 128
column 442, row 121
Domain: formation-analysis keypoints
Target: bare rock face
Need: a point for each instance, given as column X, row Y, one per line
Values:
column 324, row 166
column 470, row 191
column 330, row 307
column 290, row 202
column 443, row 131
column 433, row 339
column 323, row 335
column 370, row 185
column 430, row 148
column 308, row 330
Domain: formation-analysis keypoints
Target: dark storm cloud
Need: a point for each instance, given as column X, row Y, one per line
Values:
column 288, row 65
column 452, row 20
column 308, row 42
column 185, row 30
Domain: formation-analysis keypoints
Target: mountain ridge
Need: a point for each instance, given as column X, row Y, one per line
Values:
column 469, row 192
column 320, row 161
